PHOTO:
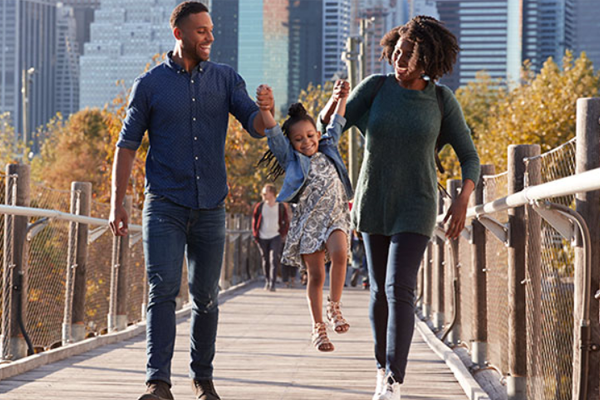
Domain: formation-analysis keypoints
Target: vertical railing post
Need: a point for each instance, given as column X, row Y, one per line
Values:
column 75, row 284
column 117, row 308
column 438, row 274
column 479, row 280
column 123, row 279
column 15, row 264
column 533, row 279
column 454, row 271
column 516, row 383
column 587, row 205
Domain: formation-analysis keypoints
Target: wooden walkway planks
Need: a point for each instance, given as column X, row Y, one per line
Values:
column 263, row 352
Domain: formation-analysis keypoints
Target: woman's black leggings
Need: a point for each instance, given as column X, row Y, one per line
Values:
column 393, row 263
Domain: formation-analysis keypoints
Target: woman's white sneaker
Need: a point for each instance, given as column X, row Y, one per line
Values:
column 391, row 389
column 380, row 386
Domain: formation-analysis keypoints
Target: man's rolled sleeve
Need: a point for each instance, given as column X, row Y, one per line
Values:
column 135, row 123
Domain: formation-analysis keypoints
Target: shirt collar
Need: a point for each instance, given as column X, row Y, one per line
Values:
column 178, row 68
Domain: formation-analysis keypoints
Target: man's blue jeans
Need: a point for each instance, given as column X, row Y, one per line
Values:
column 170, row 231
column 393, row 263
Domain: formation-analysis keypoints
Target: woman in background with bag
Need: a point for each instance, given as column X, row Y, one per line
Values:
column 395, row 205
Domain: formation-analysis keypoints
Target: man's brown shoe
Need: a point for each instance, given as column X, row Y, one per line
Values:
column 157, row 390
column 205, row 390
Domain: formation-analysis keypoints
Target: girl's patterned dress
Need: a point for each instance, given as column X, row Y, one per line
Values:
column 321, row 209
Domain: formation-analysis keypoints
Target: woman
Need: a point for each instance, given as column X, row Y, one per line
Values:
column 396, row 195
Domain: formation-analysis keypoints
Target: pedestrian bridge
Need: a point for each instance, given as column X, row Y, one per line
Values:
column 263, row 352
column 513, row 297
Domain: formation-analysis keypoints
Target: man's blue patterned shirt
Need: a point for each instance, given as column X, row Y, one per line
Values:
column 186, row 116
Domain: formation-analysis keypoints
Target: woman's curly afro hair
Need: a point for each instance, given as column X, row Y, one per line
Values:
column 436, row 48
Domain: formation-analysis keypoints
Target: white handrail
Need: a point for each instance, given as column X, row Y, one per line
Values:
column 55, row 214
column 583, row 182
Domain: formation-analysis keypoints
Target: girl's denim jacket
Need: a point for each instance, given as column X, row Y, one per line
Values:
column 297, row 165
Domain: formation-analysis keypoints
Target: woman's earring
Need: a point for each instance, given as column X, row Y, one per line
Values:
column 425, row 77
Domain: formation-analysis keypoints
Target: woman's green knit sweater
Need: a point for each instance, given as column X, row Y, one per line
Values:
column 397, row 185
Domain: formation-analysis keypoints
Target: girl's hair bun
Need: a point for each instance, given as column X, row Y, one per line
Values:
column 297, row 110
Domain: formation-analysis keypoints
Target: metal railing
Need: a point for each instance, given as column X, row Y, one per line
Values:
column 518, row 284
column 44, row 256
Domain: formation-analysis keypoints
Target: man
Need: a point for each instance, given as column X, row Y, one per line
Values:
column 184, row 105
column 270, row 224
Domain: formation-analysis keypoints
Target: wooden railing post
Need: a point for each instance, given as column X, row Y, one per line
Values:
column 478, row 276
column 516, row 383
column 588, row 206
column 74, row 315
column 117, row 314
column 15, row 275
column 534, row 276
column 438, row 274
column 123, row 281
column 453, row 271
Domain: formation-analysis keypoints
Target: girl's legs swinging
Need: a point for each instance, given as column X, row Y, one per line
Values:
column 315, row 266
column 337, row 246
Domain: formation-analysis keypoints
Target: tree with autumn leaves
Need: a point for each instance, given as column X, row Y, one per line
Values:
column 540, row 110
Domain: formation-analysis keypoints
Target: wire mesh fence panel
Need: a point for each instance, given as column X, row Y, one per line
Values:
column 98, row 275
column 466, row 272
column 550, row 295
column 137, row 272
column 48, row 262
column 497, row 279
column 2, row 219
column 47, row 265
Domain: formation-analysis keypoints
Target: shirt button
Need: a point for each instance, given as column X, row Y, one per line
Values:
column 197, row 177
column 194, row 118
column 193, row 99
column 196, row 158
column 195, row 137
column 192, row 81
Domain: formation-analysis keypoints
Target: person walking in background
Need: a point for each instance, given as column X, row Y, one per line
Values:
column 270, row 223
column 184, row 105
column 395, row 205
column 316, row 180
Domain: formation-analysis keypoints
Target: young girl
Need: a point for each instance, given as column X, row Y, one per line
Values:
column 316, row 180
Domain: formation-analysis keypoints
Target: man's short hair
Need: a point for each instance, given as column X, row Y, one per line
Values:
column 270, row 188
column 184, row 9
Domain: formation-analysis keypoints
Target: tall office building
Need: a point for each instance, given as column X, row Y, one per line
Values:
column 588, row 30
column 556, row 28
column 67, row 62
column 83, row 12
column 377, row 17
column 124, row 37
column 336, row 29
column 263, row 45
column 496, row 36
column 28, row 38
column 305, row 65
column 225, row 16
column 275, row 42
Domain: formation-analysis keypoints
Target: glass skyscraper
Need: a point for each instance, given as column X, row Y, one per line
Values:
column 263, row 46
column 336, row 29
column 28, row 39
column 588, row 29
